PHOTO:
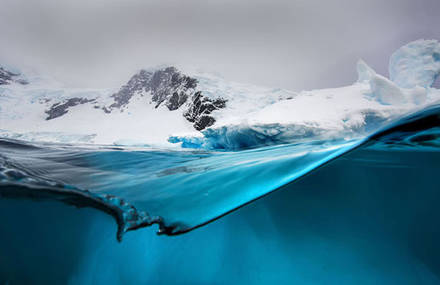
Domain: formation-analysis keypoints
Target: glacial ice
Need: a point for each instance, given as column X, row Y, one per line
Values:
column 238, row 137
column 386, row 91
column 416, row 64
column 365, row 72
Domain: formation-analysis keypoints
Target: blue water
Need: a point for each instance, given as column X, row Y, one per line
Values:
column 345, row 212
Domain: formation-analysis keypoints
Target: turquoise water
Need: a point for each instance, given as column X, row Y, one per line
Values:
column 345, row 212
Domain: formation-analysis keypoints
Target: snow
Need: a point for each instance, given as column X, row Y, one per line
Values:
column 253, row 115
column 416, row 64
column 22, row 115
column 242, row 98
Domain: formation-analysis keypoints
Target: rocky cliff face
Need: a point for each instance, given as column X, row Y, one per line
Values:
column 168, row 87
column 200, row 109
column 137, row 83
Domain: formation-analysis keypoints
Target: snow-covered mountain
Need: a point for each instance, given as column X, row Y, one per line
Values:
column 153, row 105
column 163, row 105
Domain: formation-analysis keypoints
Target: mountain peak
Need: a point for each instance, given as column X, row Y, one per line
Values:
column 166, row 85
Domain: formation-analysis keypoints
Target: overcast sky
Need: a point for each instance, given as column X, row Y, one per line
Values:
column 297, row 44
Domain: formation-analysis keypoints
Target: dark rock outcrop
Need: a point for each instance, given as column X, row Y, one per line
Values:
column 59, row 109
column 200, row 109
column 8, row 77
